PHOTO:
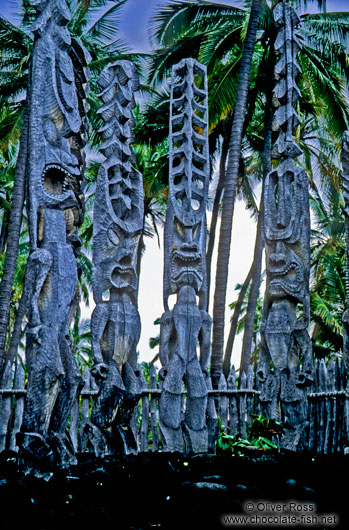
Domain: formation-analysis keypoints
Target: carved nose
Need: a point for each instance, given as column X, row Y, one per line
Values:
column 189, row 247
column 279, row 256
column 126, row 260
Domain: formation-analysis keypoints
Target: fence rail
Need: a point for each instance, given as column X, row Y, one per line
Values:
column 328, row 409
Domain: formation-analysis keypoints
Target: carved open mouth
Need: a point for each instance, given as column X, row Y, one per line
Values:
column 289, row 278
column 186, row 262
column 123, row 276
column 55, row 180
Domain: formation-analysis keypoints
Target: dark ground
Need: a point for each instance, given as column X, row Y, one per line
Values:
column 172, row 491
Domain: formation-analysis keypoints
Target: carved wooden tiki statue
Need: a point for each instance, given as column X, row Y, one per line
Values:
column 118, row 222
column 287, row 232
column 55, row 164
column 184, row 269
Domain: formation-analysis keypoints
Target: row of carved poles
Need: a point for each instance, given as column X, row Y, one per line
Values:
column 328, row 409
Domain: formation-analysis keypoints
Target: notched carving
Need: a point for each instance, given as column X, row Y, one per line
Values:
column 118, row 222
column 57, row 135
column 185, row 268
column 285, row 339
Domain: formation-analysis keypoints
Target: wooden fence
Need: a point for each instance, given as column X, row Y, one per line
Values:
column 328, row 409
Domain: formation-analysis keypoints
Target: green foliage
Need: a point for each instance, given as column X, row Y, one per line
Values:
column 261, row 435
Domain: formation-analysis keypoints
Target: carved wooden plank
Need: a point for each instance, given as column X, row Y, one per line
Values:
column 185, row 266
column 250, row 397
column 85, row 404
column 242, row 405
column 117, row 228
column 153, row 410
column 287, row 245
column 322, row 406
column 345, row 431
column 55, row 165
column 333, row 407
column 6, row 404
column 223, row 403
column 212, row 420
column 312, row 414
column 233, row 404
column 74, row 423
column 19, row 406
column 144, row 434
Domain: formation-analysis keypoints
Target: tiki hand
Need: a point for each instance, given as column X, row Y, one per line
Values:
column 100, row 371
column 304, row 380
column 163, row 373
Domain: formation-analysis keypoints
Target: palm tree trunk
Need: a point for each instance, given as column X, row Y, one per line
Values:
column 215, row 212
column 14, row 230
column 4, row 233
column 230, row 193
column 259, row 244
column 253, row 296
column 234, row 324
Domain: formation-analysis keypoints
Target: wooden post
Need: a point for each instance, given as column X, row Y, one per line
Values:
column 233, row 403
column 19, row 406
column 153, row 409
column 6, row 406
column 144, row 434
column 85, row 405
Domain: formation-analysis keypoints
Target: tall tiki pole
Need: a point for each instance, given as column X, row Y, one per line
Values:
column 345, row 167
column 118, row 223
column 55, row 203
column 287, row 240
column 188, row 323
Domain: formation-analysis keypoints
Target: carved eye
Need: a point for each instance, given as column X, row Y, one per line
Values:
column 180, row 228
column 196, row 231
column 113, row 237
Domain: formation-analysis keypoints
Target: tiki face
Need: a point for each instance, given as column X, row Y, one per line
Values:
column 286, row 231
column 186, row 256
column 123, row 245
column 57, row 121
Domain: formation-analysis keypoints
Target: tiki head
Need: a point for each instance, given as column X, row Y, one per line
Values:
column 118, row 214
column 185, row 231
column 57, row 117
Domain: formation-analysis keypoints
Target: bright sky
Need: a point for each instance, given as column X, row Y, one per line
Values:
column 134, row 30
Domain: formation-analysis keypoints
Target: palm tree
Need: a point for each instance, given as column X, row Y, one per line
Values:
column 327, row 290
column 230, row 183
column 213, row 34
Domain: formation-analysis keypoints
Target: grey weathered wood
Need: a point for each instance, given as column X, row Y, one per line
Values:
column 74, row 423
column 56, row 98
column 153, row 410
column 233, row 406
column 249, row 398
column 212, row 419
column 331, row 409
column 286, row 341
column 312, row 424
column 19, row 406
column 242, row 405
column 117, row 227
column 322, row 407
column 223, row 402
column 6, row 405
column 85, row 403
column 185, row 266
column 144, row 430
